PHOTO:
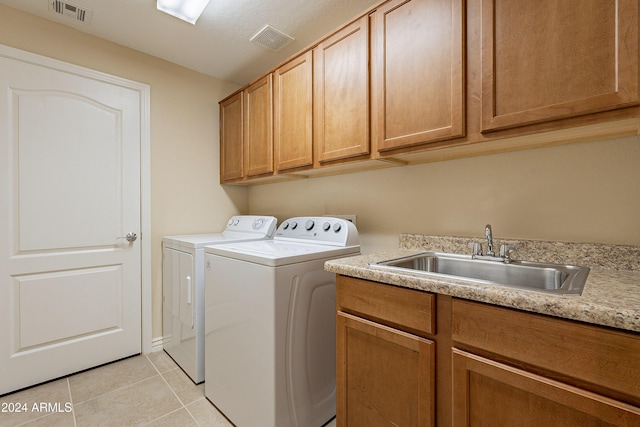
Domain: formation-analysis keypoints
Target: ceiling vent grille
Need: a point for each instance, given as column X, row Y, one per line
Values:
column 70, row 11
column 271, row 38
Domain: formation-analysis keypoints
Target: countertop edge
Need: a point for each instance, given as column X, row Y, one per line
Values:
column 610, row 298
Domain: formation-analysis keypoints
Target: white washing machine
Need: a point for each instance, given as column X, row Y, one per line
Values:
column 183, row 287
column 270, row 324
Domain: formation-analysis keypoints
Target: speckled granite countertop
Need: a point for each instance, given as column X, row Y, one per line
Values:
column 611, row 296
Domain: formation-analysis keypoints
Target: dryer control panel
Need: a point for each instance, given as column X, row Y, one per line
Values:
column 251, row 224
column 319, row 230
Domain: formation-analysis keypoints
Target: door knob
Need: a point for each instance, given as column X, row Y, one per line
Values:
column 131, row 237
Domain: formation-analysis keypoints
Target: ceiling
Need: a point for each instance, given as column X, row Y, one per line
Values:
column 219, row 44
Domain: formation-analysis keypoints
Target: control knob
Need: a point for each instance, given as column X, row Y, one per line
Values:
column 326, row 226
column 337, row 227
column 309, row 224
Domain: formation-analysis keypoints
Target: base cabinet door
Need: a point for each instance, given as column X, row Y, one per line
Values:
column 385, row 377
column 488, row 393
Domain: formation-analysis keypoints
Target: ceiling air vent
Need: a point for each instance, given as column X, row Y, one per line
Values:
column 70, row 11
column 271, row 38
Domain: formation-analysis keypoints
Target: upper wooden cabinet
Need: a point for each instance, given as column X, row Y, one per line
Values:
column 341, row 93
column 548, row 59
column 417, row 68
column 258, row 127
column 231, row 138
column 411, row 81
column 293, row 107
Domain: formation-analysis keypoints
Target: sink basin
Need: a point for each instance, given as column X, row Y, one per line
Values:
column 535, row 276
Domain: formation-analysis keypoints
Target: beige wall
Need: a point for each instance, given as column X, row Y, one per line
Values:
column 185, row 195
column 586, row 192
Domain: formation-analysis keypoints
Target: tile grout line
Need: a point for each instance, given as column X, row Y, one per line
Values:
column 172, row 391
column 189, row 412
column 160, row 417
column 52, row 413
column 73, row 406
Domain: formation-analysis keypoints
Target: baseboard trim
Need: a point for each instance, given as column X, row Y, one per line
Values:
column 157, row 344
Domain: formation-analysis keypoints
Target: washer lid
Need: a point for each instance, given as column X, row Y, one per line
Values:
column 275, row 253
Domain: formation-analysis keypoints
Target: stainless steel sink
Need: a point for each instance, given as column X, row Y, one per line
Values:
column 535, row 276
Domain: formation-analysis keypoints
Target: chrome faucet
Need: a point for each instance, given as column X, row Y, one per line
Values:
column 487, row 232
column 505, row 250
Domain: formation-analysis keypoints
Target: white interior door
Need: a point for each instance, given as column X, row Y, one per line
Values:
column 70, row 285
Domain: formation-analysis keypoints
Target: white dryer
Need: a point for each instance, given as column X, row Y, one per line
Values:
column 183, row 287
column 270, row 324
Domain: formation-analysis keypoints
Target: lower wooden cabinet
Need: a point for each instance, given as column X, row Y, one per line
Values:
column 385, row 376
column 489, row 393
column 412, row 358
column 385, row 363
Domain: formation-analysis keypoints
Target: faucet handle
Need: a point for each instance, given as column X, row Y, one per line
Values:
column 476, row 248
column 506, row 251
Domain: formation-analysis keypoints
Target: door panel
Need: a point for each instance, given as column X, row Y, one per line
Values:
column 88, row 181
column 70, row 284
column 40, row 322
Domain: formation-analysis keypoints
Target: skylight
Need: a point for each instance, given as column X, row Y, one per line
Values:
column 187, row 10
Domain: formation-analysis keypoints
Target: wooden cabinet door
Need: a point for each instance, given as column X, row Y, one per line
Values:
column 417, row 72
column 258, row 127
column 341, row 96
column 231, row 138
column 548, row 59
column 488, row 393
column 601, row 357
column 293, row 88
column 385, row 377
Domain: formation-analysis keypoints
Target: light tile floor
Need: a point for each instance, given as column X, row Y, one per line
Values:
column 149, row 390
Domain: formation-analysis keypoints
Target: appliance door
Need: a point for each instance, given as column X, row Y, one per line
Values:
column 179, row 307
